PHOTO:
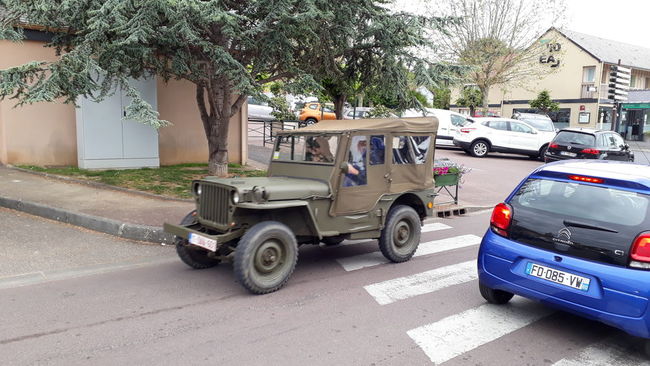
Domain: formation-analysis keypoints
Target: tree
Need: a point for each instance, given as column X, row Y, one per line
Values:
column 441, row 98
column 544, row 103
column 471, row 98
column 497, row 39
column 378, row 53
column 228, row 49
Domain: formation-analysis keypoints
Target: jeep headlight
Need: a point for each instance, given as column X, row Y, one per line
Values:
column 197, row 188
column 235, row 197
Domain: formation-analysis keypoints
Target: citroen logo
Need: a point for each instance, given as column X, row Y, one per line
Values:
column 563, row 239
column 564, row 233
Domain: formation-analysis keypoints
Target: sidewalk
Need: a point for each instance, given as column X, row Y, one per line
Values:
column 116, row 212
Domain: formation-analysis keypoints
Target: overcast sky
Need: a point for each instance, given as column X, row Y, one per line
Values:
column 619, row 20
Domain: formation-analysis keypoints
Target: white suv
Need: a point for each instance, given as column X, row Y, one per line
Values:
column 504, row 135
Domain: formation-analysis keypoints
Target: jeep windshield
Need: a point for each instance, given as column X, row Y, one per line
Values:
column 588, row 221
column 312, row 149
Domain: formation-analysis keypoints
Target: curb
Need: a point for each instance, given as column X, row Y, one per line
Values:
column 103, row 225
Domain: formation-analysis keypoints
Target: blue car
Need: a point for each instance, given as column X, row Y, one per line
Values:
column 575, row 235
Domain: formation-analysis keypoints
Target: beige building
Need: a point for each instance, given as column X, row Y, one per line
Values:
column 577, row 75
column 49, row 134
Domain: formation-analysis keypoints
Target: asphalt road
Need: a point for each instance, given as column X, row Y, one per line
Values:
column 342, row 306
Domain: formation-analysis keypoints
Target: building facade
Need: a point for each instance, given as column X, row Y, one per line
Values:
column 575, row 70
column 50, row 134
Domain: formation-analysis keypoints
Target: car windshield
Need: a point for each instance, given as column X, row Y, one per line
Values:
column 585, row 202
column 541, row 124
column 312, row 149
column 575, row 138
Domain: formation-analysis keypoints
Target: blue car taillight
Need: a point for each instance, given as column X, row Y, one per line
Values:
column 501, row 218
column 640, row 253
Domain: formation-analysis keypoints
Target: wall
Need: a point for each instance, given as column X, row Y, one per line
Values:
column 185, row 140
column 39, row 134
column 45, row 133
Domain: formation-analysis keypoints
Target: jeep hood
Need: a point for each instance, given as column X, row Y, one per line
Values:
column 276, row 188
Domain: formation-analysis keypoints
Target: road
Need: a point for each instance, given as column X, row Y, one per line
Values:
column 343, row 306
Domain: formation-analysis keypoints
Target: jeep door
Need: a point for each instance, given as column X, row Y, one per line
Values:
column 364, row 179
column 411, row 164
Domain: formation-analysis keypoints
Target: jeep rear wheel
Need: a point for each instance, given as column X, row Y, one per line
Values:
column 265, row 257
column 194, row 257
column 401, row 236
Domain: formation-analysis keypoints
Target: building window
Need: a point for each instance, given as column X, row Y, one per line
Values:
column 589, row 74
column 647, row 83
column 633, row 82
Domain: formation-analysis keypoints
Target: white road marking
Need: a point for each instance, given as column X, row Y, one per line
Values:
column 436, row 246
column 435, row 226
column 612, row 351
column 460, row 333
column 422, row 283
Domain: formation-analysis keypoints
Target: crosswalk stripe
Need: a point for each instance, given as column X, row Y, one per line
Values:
column 422, row 283
column 454, row 335
column 435, row 226
column 611, row 351
column 436, row 246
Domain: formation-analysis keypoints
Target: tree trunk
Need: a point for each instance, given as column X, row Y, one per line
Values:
column 485, row 91
column 339, row 104
column 216, row 122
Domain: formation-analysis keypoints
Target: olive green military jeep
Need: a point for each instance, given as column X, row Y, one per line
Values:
column 335, row 180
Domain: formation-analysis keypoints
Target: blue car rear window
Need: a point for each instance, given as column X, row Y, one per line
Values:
column 593, row 203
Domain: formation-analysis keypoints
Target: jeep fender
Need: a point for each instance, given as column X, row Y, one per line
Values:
column 295, row 214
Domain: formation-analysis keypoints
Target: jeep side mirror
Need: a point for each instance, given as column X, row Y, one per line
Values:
column 344, row 167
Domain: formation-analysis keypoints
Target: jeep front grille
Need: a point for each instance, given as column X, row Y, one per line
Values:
column 213, row 203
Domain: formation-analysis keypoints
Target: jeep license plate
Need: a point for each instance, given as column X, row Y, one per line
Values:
column 561, row 277
column 203, row 242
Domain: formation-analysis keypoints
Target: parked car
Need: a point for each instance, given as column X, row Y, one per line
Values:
column 541, row 122
column 357, row 113
column 505, row 135
column 258, row 109
column 313, row 112
column 585, row 143
column 326, row 182
column 574, row 235
column 448, row 123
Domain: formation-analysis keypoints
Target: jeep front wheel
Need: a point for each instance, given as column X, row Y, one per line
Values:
column 401, row 236
column 265, row 257
column 194, row 257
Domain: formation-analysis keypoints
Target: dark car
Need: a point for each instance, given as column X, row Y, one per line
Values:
column 586, row 143
column 574, row 235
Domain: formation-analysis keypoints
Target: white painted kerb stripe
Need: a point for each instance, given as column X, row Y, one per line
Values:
column 435, row 226
column 375, row 258
column 457, row 334
column 612, row 351
column 422, row 283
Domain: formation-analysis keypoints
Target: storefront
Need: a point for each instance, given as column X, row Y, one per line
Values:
column 634, row 121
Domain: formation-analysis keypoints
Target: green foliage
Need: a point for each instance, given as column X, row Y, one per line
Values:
column 380, row 111
column 441, row 98
column 281, row 109
column 544, row 103
column 470, row 97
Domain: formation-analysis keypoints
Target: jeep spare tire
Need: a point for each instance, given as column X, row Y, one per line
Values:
column 191, row 255
column 401, row 236
column 266, row 257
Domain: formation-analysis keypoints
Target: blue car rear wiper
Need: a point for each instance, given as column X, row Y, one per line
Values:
column 587, row 226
